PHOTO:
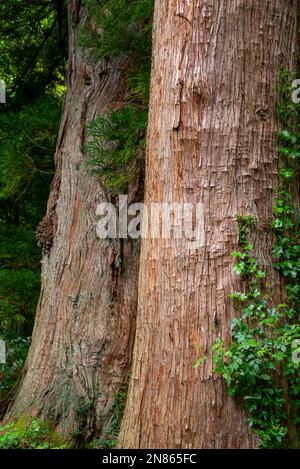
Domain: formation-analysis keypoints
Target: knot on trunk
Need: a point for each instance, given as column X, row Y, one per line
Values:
column 46, row 230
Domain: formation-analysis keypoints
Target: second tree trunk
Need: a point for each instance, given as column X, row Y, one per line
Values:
column 82, row 341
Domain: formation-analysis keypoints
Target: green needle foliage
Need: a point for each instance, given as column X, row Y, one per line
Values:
column 261, row 365
column 28, row 139
column 116, row 141
column 114, row 144
column 33, row 41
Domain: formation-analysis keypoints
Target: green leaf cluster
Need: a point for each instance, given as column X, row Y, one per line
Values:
column 30, row 433
column 258, row 366
column 116, row 141
column 261, row 365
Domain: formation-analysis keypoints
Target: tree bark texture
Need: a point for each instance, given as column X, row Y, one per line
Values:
column 82, row 340
column 211, row 139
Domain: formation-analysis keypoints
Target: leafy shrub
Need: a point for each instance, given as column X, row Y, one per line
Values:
column 30, row 433
column 258, row 365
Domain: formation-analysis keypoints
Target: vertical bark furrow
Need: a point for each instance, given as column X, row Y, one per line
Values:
column 211, row 139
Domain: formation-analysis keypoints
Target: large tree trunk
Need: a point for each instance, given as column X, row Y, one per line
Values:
column 211, row 139
column 82, row 340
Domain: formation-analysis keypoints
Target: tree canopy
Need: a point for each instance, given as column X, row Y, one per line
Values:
column 33, row 43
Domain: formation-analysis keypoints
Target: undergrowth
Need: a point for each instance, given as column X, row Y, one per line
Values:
column 30, row 433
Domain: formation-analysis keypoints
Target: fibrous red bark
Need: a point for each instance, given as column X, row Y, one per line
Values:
column 82, row 340
column 211, row 139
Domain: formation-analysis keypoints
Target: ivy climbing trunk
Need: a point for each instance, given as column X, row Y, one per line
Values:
column 211, row 139
column 82, row 340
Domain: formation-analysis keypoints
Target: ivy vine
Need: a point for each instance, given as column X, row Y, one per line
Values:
column 261, row 364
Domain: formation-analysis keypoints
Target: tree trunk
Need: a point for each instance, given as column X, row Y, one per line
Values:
column 211, row 139
column 82, row 340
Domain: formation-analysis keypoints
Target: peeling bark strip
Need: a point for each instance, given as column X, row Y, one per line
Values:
column 211, row 139
column 82, row 339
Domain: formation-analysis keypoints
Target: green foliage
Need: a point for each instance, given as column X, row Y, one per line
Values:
column 116, row 141
column 259, row 365
column 110, row 439
column 287, row 217
column 123, row 28
column 19, row 291
column 30, row 433
column 84, row 410
column 16, row 352
column 286, row 225
column 18, row 248
column 28, row 139
column 33, row 40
